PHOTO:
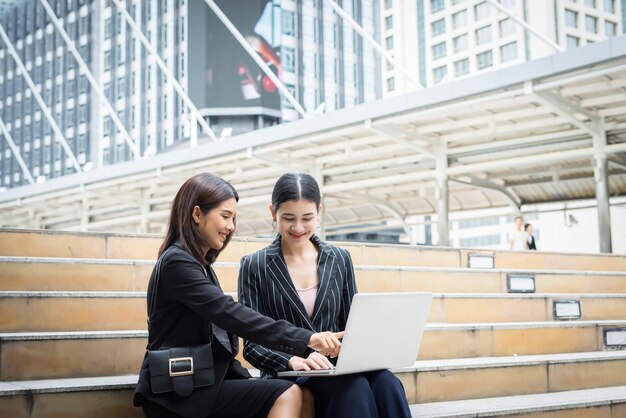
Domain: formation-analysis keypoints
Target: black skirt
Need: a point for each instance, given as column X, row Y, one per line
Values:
column 240, row 398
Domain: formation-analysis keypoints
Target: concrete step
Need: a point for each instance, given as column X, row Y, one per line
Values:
column 43, row 355
column 45, row 273
column 100, row 397
column 485, row 377
column 425, row 383
column 84, row 311
column 52, row 355
column 45, row 243
column 587, row 403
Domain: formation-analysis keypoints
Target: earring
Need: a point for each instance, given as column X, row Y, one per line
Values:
column 274, row 224
column 319, row 224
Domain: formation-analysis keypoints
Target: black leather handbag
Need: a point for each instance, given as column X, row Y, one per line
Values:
column 178, row 369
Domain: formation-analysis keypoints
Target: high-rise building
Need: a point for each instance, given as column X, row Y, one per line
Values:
column 441, row 40
column 319, row 58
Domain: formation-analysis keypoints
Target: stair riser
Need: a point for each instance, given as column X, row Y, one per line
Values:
column 93, row 404
column 61, row 244
column 51, row 359
column 118, row 403
column 435, row 386
column 112, row 277
column 24, row 314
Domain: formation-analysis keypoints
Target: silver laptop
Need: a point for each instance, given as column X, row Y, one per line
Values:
column 384, row 331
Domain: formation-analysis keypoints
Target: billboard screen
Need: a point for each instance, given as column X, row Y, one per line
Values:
column 222, row 74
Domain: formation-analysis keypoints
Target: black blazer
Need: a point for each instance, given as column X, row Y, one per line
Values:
column 531, row 243
column 265, row 286
column 187, row 305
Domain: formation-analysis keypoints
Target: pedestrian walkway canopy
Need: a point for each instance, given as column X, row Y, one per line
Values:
column 548, row 130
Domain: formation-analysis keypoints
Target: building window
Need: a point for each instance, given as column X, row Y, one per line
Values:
column 483, row 35
column 609, row 6
column 571, row 18
column 389, row 42
column 508, row 51
column 507, row 27
column 121, row 55
column 82, row 113
column 439, row 73
column 461, row 67
column 288, row 23
column 288, row 59
column 590, row 3
column 591, row 24
column 572, row 42
column 436, row 5
column 107, row 91
column 507, row 4
column 391, row 84
column 482, row 11
column 484, row 60
column 438, row 27
column 107, row 28
column 182, row 28
column 610, row 28
column 121, row 85
column 459, row 19
column 460, row 43
column 107, row 60
column 439, row 50
column 389, row 22
column 388, row 4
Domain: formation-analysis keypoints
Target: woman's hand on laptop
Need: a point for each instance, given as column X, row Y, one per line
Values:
column 327, row 343
column 315, row 361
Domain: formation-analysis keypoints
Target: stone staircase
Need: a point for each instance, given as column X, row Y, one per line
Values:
column 73, row 326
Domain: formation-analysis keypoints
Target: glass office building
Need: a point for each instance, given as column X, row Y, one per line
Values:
column 319, row 58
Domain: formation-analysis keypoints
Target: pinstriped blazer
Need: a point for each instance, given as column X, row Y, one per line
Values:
column 265, row 286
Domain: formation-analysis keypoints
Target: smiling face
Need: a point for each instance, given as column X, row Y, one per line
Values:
column 217, row 224
column 296, row 221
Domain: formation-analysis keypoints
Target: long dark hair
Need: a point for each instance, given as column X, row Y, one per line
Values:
column 295, row 186
column 207, row 192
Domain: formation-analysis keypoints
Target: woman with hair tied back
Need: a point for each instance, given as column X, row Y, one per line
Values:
column 310, row 283
column 187, row 308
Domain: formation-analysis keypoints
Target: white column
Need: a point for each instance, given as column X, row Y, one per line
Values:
column 600, row 170
column 441, row 192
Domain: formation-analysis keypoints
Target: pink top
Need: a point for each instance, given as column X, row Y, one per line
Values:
column 307, row 296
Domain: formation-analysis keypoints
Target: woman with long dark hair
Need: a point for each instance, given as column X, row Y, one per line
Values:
column 310, row 283
column 188, row 308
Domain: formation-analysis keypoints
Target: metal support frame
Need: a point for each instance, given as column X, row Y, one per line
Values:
column 442, row 194
column 146, row 43
column 16, row 152
column 298, row 165
column 396, row 138
column 511, row 198
column 133, row 144
column 526, row 26
column 355, row 197
column 268, row 72
column 44, row 108
column 566, row 110
column 359, row 29
column 600, row 171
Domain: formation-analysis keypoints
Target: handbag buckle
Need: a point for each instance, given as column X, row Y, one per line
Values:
column 180, row 360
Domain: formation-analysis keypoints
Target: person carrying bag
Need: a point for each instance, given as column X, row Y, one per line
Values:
column 189, row 368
